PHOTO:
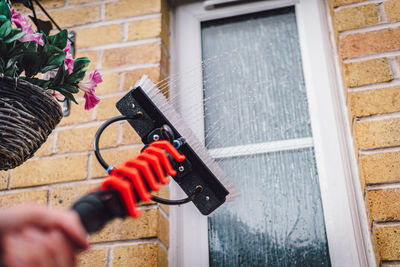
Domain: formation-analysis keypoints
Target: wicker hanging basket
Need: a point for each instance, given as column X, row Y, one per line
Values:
column 28, row 114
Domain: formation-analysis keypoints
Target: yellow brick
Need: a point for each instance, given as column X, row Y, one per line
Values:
column 367, row 72
column 388, row 242
column 165, row 35
column 356, row 17
column 130, row 8
column 381, row 167
column 144, row 29
column 50, row 170
column 92, row 55
column 374, row 134
column 129, row 135
column 76, row 16
column 114, row 158
column 165, row 13
column 371, row 102
column 76, row 2
column 45, row 149
column 133, row 76
column 63, row 197
column 78, row 114
column 138, row 54
column 92, row 258
column 371, row 42
column 143, row 255
column 81, row 139
column 392, row 8
column 12, row 199
column 146, row 226
column 106, row 108
column 110, row 84
column 165, row 61
column 384, row 204
column 98, row 35
column 3, row 179
column 48, row 4
column 344, row 2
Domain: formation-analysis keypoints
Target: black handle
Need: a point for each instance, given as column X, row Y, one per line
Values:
column 98, row 208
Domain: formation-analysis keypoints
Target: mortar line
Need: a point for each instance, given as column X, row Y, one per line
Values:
column 371, row 28
column 116, row 21
column 358, row 4
column 392, row 83
column 163, row 212
column 102, row 11
column 129, row 68
column 121, row 82
column 122, row 243
column 48, row 186
column 394, row 67
column 384, row 185
column 382, row 13
column 9, row 181
column 379, row 150
column 120, row 45
column 89, row 166
column 379, row 224
column 99, row 64
column 162, row 245
column 393, row 53
column 379, row 117
column 49, row 193
column 125, row 32
column 110, row 252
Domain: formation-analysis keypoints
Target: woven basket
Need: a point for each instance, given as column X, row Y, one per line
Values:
column 28, row 114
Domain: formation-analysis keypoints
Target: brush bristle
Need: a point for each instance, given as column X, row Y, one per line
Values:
column 176, row 120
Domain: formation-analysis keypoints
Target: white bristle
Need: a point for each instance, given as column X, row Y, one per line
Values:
column 176, row 120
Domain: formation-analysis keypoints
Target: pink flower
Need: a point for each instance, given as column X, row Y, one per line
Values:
column 23, row 24
column 89, row 88
column 69, row 63
column 68, row 46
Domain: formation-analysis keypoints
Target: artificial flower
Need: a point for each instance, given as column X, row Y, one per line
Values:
column 69, row 63
column 89, row 88
column 23, row 24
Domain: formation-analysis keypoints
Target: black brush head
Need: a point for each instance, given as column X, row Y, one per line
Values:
column 193, row 172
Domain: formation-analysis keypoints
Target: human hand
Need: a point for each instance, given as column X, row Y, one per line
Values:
column 34, row 236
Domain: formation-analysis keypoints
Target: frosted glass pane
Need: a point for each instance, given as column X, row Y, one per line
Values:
column 253, row 80
column 278, row 220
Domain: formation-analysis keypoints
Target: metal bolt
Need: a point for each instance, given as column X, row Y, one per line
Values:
column 181, row 168
column 207, row 198
column 156, row 137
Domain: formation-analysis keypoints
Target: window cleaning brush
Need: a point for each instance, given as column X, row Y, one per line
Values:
column 170, row 148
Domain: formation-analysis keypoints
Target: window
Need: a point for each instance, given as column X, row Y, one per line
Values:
column 277, row 139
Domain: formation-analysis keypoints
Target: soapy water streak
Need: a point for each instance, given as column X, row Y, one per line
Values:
column 217, row 125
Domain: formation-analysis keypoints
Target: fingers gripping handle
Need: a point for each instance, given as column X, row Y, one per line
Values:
column 127, row 185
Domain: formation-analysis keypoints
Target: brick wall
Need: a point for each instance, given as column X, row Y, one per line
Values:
column 124, row 39
column 367, row 35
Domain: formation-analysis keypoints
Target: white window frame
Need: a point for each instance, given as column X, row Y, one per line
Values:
column 343, row 206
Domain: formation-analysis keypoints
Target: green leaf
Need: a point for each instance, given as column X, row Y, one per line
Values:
column 76, row 77
column 59, row 79
column 57, row 59
column 2, row 17
column 59, row 40
column 4, row 9
column 71, row 88
column 67, row 94
column 81, row 63
column 5, row 29
column 15, row 37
